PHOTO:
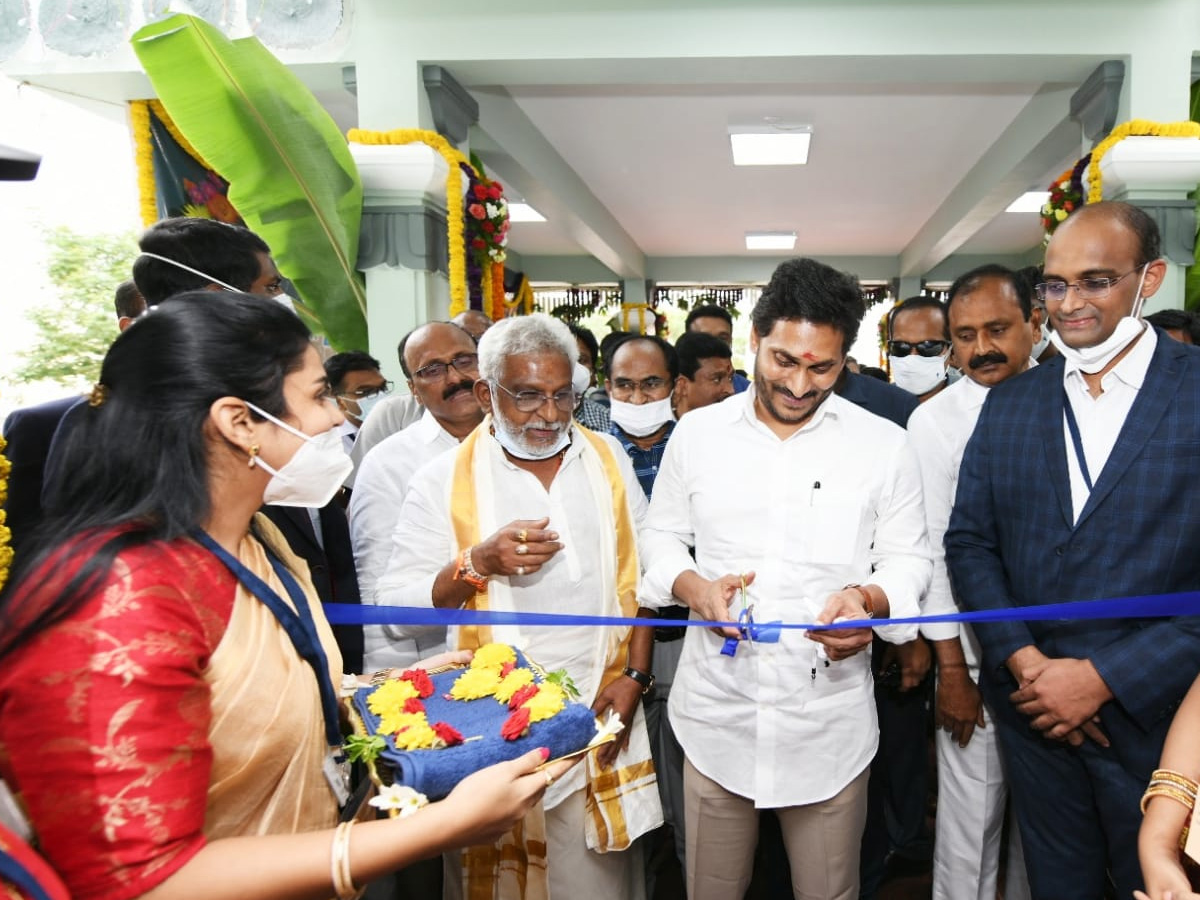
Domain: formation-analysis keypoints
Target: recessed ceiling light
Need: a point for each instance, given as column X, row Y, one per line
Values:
column 1030, row 201
column 770, row 240
column 779, row 145
column 523, row 212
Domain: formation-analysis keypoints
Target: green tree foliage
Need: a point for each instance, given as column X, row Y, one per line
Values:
column 75, row 327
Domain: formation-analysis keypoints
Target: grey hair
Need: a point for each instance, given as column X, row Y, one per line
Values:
column 536, row 333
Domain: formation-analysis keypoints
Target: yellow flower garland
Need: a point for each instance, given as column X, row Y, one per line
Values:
column 143, row 158
column 455, row 225
column 1138, row 127
column 523, row 298
column 6, row 551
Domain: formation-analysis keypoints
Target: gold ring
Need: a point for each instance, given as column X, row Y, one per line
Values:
column 549, row 779
column 522, row 549
column 522, row 535
column 520, row 570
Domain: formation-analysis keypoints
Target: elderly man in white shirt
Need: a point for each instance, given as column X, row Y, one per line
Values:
column 441, row 364
column 531, row 514
column 990, row 317
column 821, row 519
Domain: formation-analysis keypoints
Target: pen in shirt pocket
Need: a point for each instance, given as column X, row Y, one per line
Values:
column 812, row 494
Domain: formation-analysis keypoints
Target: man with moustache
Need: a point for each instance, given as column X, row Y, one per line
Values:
column 441, row 364
column 1082, row 707
column 990, row 312
column 533, row 514
column 820, row 519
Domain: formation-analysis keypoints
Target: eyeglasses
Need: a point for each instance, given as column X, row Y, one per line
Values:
column 364, row 393
column 651, row 385
column 1085, row 288
column 466, row 363
column 900, row 349
column 531, row 401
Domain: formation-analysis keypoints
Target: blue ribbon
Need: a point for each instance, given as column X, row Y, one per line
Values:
column 1186, row 603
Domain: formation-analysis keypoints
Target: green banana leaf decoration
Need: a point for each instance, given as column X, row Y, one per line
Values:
column 291, row 175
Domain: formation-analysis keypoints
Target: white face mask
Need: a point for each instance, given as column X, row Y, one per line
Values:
column 284, row 299
column 1093, row 359
column 516, row 444
column 314, row 473
column 366, row 404
column 918, row 374
column 641, row 419
column 1044, row 341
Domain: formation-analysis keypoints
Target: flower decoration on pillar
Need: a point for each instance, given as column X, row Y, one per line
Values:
column 487, row 239
column 1135, row 127
column 1066, row 196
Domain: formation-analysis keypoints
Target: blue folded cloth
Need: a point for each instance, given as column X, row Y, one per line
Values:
column 435, row 772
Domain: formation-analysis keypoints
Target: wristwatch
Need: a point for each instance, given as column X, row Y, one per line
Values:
column 645, row 679
column 466, row 572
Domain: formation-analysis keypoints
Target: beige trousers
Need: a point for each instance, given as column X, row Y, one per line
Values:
column 822, row 840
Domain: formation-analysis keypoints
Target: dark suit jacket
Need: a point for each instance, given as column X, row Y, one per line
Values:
column 893, row 403
column 1012, row 542
column 331, row 567
column 28, row 433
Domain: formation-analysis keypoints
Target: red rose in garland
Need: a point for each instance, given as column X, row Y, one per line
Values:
column 448, row 733
column 516, row 725
column 420, row 680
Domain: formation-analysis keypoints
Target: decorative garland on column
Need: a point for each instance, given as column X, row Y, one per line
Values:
column 1135, row 127
column 455, row 223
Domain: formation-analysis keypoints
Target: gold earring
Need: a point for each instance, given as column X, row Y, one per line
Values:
column 253, row 454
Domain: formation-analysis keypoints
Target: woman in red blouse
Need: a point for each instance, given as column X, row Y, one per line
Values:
column 167, row 680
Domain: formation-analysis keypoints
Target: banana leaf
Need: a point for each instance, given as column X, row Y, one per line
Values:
column 290, row 173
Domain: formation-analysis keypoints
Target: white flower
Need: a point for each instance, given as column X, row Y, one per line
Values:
column 399, row 797
column 492, row 210
column 611, row 727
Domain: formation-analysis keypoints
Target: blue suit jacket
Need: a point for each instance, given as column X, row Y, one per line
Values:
column 29, row 432
column 1012, row 542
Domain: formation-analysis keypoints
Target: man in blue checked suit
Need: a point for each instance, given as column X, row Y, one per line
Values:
column 1083, row 707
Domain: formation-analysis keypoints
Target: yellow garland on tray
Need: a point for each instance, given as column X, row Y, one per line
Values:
column 143, row 157
column 455, row 225
column 1134, row 127
column 6, row 552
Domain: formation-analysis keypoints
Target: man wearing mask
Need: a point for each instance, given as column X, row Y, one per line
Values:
column 640, row 375
column 532, row 514
column 1082, row 707
column 357, row 385
column 441, row 363
column 989, row 311
column 918, row 346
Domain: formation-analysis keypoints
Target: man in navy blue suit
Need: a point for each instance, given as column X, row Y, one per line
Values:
column 1083, row 707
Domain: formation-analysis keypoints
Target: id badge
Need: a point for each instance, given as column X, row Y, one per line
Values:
column 338, row 776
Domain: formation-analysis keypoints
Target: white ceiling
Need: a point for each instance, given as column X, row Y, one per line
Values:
column 883, row 159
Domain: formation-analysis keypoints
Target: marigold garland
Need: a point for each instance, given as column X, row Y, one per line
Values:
column 1134, row 127
column 6, row 551
column 455, row 223
column 143, row 158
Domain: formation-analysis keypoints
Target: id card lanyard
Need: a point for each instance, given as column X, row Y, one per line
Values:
column 297, row 623
column 1077, row 440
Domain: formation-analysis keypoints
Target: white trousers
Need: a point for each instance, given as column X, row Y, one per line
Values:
column 972, row 796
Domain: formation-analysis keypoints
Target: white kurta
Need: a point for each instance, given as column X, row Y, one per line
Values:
column 379, row 491
column 837, row 502
column 423, row 542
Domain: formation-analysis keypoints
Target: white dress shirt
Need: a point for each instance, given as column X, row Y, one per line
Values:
column 382, row 483
column 837, row 502
column 569, row 583
column 938, row 432
column 1101, row 418
column 390, row 415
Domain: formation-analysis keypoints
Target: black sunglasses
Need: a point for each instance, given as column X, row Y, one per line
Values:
column 923, row 348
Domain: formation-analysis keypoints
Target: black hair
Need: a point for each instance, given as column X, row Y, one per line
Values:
column 670, row 357
column 588, row 339
column 138, row 460
column 806, row 289
column 708, row 311
column 128, row 301
column 693, row 347
column 915, row 303
column 608, row 345
column 1177, row 320
column 970, row 281
column 227, row 252
column 338, row 366
column 400, row 348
